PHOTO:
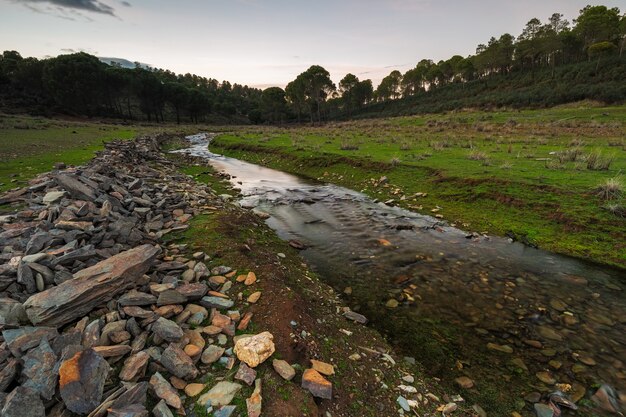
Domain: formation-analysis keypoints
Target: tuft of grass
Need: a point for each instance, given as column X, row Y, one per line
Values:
column 477, row 155
column 596, row 161
column 612, row 189
column 616, row 209
column 348, row 146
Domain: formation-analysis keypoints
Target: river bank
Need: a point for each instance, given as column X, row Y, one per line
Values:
column 469, row 306
column 526, row 175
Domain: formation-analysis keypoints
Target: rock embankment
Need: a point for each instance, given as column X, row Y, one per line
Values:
column 94, row 310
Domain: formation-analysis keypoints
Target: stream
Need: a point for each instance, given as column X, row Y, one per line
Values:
column 503, row 314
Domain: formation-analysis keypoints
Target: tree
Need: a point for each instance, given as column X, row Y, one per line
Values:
column 599, row 50
column 597, row 24
column 347, row 88
column 273, row 104
column 296, row 94
column 75, row 82
column 317, row 86
column 178, row 96
column 389, row 87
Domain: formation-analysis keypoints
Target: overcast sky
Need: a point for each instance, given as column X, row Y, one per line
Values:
column 269, row 42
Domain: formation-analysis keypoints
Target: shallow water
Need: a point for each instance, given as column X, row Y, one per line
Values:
column 455, row 289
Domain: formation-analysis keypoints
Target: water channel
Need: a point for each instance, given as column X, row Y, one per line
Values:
column 502, row 313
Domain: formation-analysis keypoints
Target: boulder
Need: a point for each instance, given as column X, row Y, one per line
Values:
column 254, row 350
column 90, row 287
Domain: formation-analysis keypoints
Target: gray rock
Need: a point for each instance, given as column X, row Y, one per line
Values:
column 8, row 374
column 24, row 338
column 12, row 312
column 284, row 369
column 39, row 366
column 212, row 354
column 135, row 366
column 23, row 402
column 168, row 297
column 134, row 410
column 165, row 391
column 175, row 360
column 81, row 381
column 136, row 298
column 162, row 410
column 245, row 374
column 216, row 302
column 221, row 394
column 26, row 278
column 225, row 411
column 75, row 187
column 90, row 287
column 167, row 330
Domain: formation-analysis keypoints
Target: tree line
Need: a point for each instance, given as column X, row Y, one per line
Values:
column 576, row 52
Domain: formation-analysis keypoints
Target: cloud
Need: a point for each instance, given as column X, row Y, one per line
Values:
column 125, row 3
column 94, row 6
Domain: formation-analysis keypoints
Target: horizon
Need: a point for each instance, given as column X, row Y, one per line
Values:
column 366, row 38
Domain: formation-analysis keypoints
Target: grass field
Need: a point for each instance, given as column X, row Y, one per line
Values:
column 29, row 146
column 552, row 178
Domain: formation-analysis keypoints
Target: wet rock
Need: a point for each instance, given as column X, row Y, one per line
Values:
column 165, row 391
column 134, row 367
column 607, row 399
column 549, row 333
column 359, row 318
column 245, row 374
column 322, row 367
column 543, row 410
column 254, row 403
column 23, row 402
column 464, row 382
column 500, row 348
column 81, row 381
column 167, row 330
column 255, row 349
column 221, row 394
column 90, row 287
column 212, row 354
column 175, row 360
column 39, row 366
column 162, row 410
column 283, row 369
column 316, row 384
column 546, row 377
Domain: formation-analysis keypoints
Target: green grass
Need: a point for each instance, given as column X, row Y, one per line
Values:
column 30, row 146
column 501, row 172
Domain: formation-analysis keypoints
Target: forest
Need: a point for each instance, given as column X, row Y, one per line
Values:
column 548, row 63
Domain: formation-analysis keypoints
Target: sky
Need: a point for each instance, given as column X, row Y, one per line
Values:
column 266, row 43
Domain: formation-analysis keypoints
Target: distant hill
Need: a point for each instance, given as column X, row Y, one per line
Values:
column 124, row 63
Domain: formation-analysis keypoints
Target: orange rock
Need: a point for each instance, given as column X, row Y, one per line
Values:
column 317, row 384
column 192, row 350
column 177, row 382
column 250, row 279
column 254, row 297
column 322, row 367
column 241, row 278
column 243, row 324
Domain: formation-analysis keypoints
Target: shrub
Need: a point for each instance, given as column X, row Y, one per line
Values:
column 348, row 146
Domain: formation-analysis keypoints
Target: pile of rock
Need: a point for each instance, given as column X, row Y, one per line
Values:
column 94, row 310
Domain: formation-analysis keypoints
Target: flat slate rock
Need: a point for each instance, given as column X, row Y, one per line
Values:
column 90, row 287
column 167, row 330
column 23, row 402
column 175, row 360
column 216, row 302
column 39, row 366
column 81, row 381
